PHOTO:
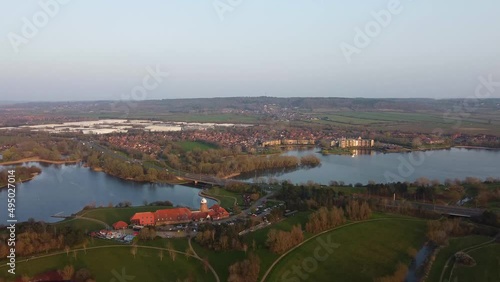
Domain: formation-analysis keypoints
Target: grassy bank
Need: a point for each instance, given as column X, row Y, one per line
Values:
column 105, row 262
column 365, row 251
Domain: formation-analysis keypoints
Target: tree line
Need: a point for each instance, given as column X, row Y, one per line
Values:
column 41, row 145
column 279, row 241
column 22, row 173
column 36, row 237
column 125, row 169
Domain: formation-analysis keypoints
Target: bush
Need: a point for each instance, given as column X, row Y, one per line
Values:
column 464, row 259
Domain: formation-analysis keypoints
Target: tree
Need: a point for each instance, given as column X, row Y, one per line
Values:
column 206, row 265
column 83, row 275
column 67, row 272
column 133, row 250
column 246, row 270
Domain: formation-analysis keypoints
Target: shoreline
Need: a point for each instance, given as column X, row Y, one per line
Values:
column 204, row 195
column 476, row 147
column 39, row 160
column 22, row 180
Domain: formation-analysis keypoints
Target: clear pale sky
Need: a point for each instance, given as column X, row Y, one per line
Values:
column 99, row 50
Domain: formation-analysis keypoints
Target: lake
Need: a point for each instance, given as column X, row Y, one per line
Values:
column 68, row 188
column 390, row 167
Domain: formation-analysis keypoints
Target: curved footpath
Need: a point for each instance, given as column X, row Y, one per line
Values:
column 264, row 277
column 465, row 250
column 120, row 246
column 208, row 263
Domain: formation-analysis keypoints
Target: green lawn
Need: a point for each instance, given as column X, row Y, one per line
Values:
column 82, row 224
column 191, row 145
column 366, row 251
column 112, row 215
column 220, row 261
column 487, row 268
column 146, row 266
column 455, row 245
column 226, row 197
column 180, row 244
column 260, row 236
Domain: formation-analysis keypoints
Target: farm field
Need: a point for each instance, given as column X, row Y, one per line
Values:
column 183, row 117
column 473, row 123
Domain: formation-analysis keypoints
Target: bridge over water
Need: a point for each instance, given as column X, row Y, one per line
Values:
column 207, row 179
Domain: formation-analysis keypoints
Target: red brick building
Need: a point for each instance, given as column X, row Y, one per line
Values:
column 143, row 218
column 172, row 216
column 179, row 215
column 120, row 225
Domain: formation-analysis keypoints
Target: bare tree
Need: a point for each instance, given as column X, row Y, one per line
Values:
column 67, row 272
column 133, row 250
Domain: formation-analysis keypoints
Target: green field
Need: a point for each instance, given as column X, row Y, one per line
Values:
column 366, row 251
column 422, row 121
column 226, row 198
column 76, row 223
column 183, row 117
column 191, row 145
column 222, row 260
column 487, row 266
column 146, row 266
column 455, row 245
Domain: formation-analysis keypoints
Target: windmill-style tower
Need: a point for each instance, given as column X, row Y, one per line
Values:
column 203, row 205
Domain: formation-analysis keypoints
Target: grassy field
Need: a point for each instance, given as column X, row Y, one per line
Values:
column 191, row 145
column 366, row 251
column 222, row 260
column 146, row 266
column 185, row 117
column 226, row 197
column 216, row 118
column 180, row 244
column 112, row 215
column 475, row 123
column 82, row 224
column 455, row 245
column 487, row 266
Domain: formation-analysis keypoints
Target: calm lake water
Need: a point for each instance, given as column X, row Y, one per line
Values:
column 380, row 167
column 68, row 188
